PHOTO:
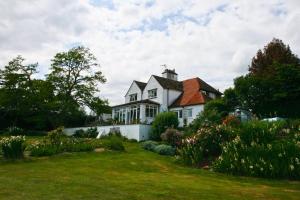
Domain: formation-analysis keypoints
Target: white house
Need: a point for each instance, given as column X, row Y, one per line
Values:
column 164, row 93
column 143, row 101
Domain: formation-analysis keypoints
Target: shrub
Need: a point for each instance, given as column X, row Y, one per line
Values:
column 166, row 150
column 149, row 145
column 209, row 117
column 161, row 122
column 13, row 147
column 14, row 131
column 231, row 120
column 56, row 136
column 89, row 133
column 114, row 143
column 79, row 133
column 205, row 144
column 172, row 136
column 262, row 149
column 43, row 149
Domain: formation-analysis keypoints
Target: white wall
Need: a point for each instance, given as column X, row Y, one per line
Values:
column 153, row 84
column 134, row 89
column 173, row 95
column 139, row 132
column 196, row 109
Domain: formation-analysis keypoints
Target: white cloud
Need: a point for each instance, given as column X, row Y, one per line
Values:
column 214, row 40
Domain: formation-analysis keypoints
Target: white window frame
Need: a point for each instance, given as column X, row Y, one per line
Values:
column 152, row 93
column 133, row 97
column 151, row 111
column 179, row 114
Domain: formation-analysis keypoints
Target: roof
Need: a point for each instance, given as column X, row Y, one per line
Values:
column 192, row 94
column 169, row 83
column 141, row 85
column 137, row 102
column 205, row 86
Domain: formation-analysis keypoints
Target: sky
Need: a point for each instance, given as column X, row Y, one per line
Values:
column 211, row 39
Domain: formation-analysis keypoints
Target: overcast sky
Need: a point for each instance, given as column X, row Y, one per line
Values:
column 214, row 40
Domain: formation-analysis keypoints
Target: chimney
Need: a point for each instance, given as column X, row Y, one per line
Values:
column 170, row 74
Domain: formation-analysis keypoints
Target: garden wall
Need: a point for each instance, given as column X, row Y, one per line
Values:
column 135, row 131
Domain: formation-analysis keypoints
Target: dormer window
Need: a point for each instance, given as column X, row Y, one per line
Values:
column 152, row 93
column 133, row 97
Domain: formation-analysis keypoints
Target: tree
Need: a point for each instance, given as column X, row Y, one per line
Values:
column 272, row 86
column 275, row 51
column 75, row 76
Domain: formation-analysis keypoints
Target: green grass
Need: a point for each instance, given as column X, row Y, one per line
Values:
column 134, row 174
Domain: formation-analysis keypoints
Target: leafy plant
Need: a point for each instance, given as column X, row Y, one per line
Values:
column 13, row 147
column 114, row 143
column 172, row 136
column 149, row 145
column 164, row 149
column 56, row 136
column 14, row 131
column 161, row 122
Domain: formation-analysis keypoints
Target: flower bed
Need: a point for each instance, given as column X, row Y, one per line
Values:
column 13, row 147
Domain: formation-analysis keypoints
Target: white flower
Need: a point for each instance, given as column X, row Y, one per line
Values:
column 292, row 167
column 251, row 167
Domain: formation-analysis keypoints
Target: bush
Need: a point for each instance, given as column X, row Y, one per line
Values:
column 262, row 149
column 161, row 122
column 166, row 150
column 14, row 131
column 172, row 136
column 209, row 117
column 89, row 133
column 56, row 136
column 205, row 144
column 114, row 143
column 149, row 145
column 13, row 147
column 231, row 120
column 43, row 149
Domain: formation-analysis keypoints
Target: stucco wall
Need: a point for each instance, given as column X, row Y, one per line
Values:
column 134, row 89
column 196, row 109
column 135, row 131
column 153, row 84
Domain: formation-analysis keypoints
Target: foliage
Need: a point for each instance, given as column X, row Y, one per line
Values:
column 271, row 88
column 44, row 149
column 263, row 149
column 13, row 147
column 14, row 131
column 149, row 145
column 231, row 120
column 164, row 149
column 205, row 144
column 56, row 136
column 172, row 136
column 208, row 117
column 161, row 122
column 89, row 133
column 75, row 77
column 114, row 143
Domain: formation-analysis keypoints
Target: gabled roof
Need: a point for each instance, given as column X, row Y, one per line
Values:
column 169, row 83
column 192, row 94
column 141, row 85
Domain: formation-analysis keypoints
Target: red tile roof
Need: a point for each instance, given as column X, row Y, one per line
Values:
column 191, row 93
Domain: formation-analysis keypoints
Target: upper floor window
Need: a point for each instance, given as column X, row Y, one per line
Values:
column 152, row 93
column 133, row 97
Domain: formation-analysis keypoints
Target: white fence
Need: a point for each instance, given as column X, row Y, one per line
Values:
column 135, row 131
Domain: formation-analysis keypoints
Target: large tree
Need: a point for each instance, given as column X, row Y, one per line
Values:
column 76, row 76
column 272, row 86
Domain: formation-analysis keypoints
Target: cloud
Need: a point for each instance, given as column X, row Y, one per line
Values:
column 214, row 40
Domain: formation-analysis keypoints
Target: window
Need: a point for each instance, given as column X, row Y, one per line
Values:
column 133, row 97
column 189, row 112
column 151, row 111
column 204, row 92
column 152, row 93
column 179, row 114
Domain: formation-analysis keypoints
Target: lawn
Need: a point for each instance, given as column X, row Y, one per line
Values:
column 134, row 174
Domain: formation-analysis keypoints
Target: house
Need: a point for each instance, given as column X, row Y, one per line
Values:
column 143, row 101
